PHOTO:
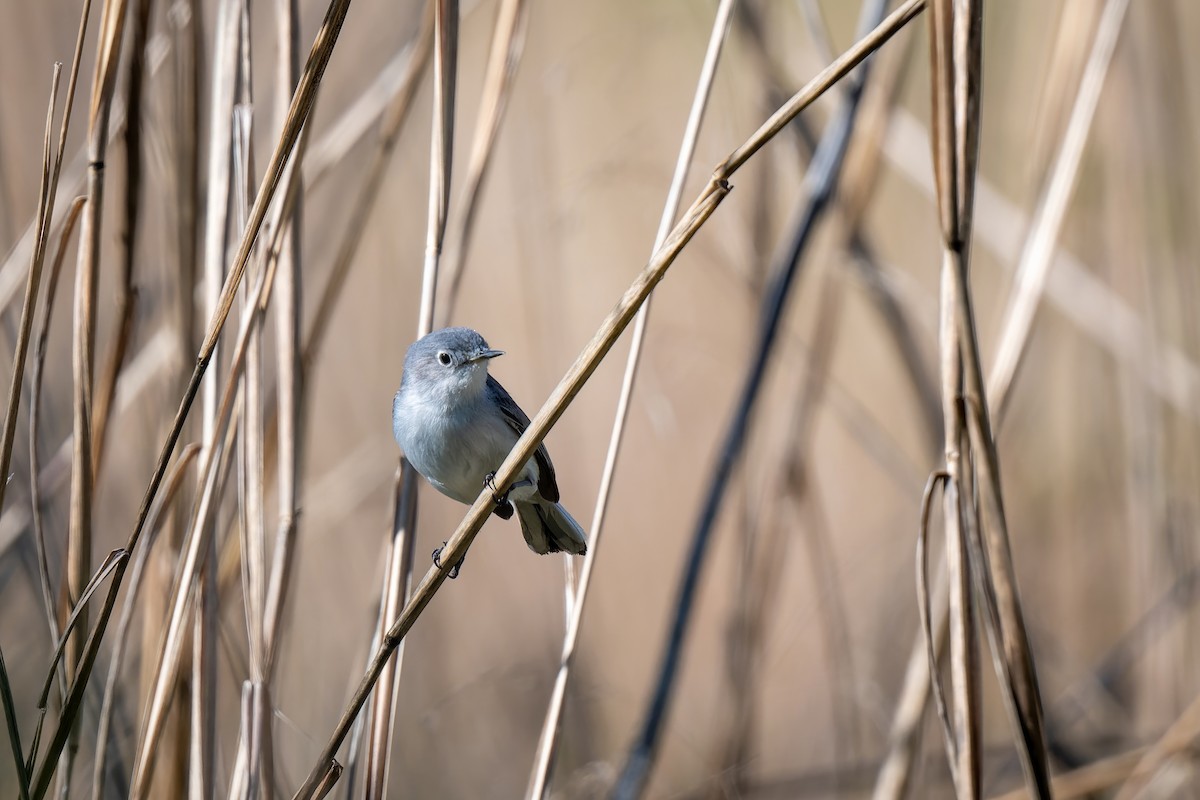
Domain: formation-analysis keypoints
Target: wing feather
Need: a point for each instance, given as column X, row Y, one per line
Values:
column 517, row 419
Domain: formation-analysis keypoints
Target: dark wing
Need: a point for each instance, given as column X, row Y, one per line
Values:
column 515, row 417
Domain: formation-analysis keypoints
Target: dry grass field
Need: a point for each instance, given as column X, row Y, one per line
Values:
column 219, row 652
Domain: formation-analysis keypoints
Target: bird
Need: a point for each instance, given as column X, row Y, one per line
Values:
column 456, row 424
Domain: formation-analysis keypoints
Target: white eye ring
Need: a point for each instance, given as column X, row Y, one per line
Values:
column 444, row 358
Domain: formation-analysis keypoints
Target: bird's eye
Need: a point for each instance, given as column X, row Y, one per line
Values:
column 444, row 357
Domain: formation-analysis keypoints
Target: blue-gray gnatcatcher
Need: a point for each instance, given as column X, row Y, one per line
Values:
column 456, row 424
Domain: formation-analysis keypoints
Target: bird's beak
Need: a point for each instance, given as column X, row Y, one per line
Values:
column 488, row 354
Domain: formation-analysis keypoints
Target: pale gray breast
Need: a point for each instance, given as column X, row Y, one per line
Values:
column 454, row 450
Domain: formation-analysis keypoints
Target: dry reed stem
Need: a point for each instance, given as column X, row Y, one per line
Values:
column 1037, row 255
column 1178, row 736
column 12, row 269
column 41, row 783
column 403, row 540
column 956, row 72
column 548, row 741
column 31, row 291
column 231, row 555
column 127, row 293
column 14, row 733
column 290, row 394
column 508, row 43
column 252, row 500
column 35, row 396
column 953, row 171
column 79, row 536
column 173, row 483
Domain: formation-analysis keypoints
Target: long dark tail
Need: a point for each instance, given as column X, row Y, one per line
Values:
column 548, row 528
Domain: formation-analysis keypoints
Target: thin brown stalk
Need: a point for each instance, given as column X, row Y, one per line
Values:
column 548, row 741
column 974, row 479
column 127, row 293
column 962, row 723
column 164, row 501
column 31, row 292
column 403, row 540
column 508, row 43
column 1039, row 249
column 83, row 350
column 35, row 396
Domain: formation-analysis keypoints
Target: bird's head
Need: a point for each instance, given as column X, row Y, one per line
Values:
column 451, row 362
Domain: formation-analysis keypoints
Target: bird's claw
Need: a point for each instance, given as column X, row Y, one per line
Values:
column 489, row 481
column 437, row 560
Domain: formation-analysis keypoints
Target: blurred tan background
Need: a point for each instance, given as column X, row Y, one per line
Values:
column 1100, row 451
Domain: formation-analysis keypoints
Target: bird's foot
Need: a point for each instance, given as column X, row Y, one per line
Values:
column 437, row 560
column 501, row 500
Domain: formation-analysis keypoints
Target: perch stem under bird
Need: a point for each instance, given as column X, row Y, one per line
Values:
column 456, row 423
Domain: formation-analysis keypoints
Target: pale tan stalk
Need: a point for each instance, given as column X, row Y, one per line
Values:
column 35, row 396
column 548, row 741
column 1029, row 284
column 79, row 538
column 1180, row 735
column 508, row 43
column 400, row 555
column 288, row 306
column 971, row 458
column 121, row 635
column 961, row 723
column 132, row 185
